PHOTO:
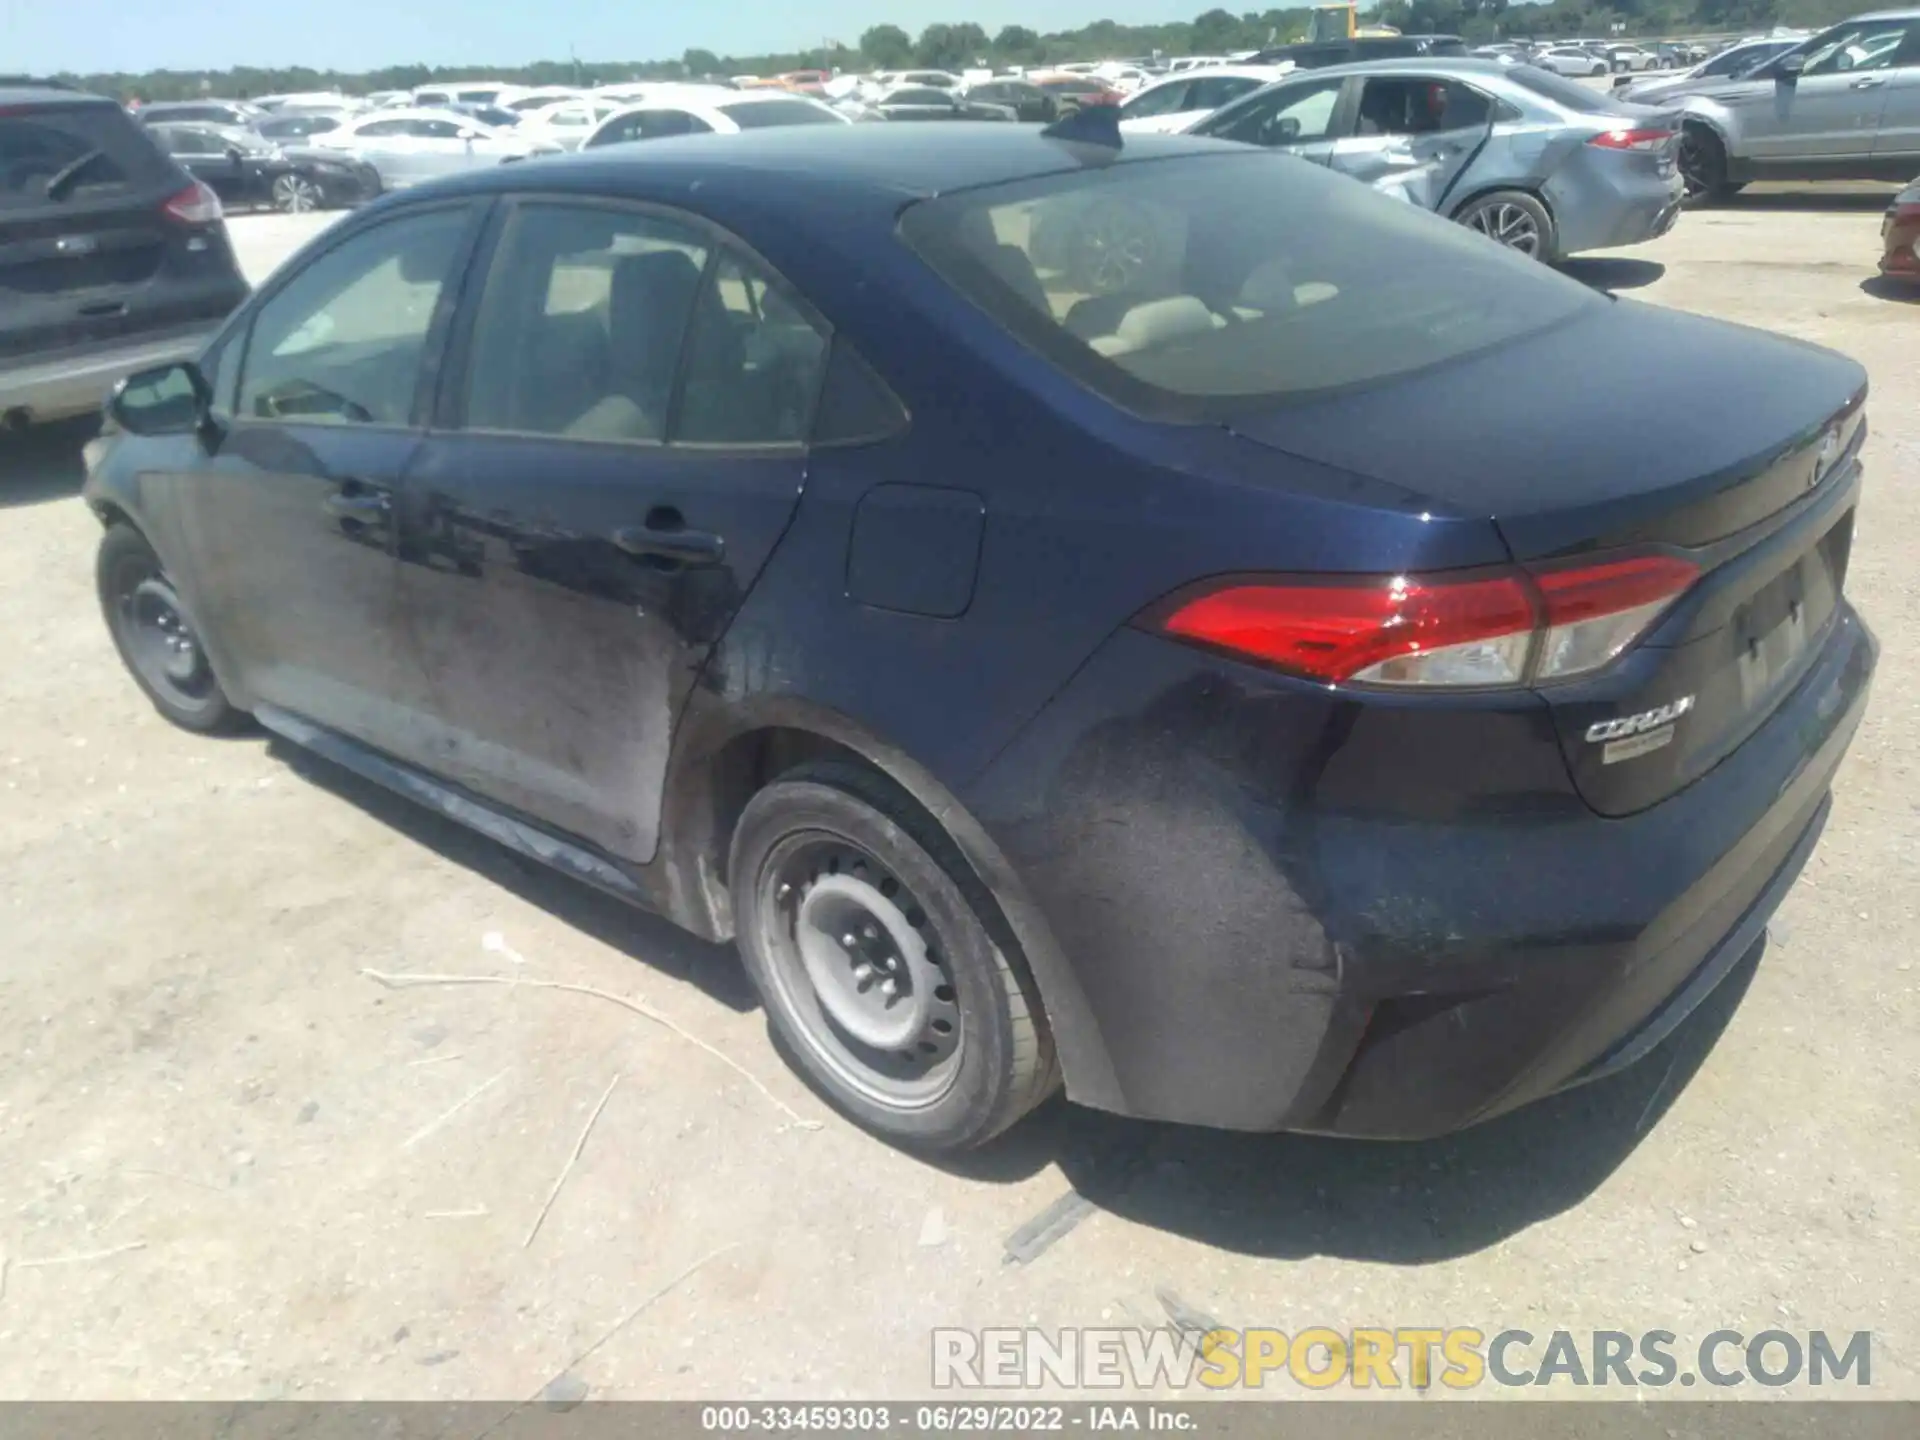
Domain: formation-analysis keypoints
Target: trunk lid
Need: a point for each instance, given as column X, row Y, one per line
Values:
column 1634, row 428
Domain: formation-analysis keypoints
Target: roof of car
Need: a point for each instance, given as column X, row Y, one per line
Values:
column 21, row 96
column 797, row 161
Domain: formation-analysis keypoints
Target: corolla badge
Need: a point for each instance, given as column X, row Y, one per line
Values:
column 1639, row 724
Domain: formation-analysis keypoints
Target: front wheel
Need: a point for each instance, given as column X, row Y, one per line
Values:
column 868, row 939
column 1514, row 219
column 157, row 641
column 295, row 195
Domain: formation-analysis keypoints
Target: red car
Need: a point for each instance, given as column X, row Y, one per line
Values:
column 806, row 82
column 1902, row 234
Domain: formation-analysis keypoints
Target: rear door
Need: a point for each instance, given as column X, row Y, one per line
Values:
column 580, row 528
column 290, row 521
column 88, row 250
column 208, row 158
column 1899, row 135
column 1303, row 117
column 1414, row 135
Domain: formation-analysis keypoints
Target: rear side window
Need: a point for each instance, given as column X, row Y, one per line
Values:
column 754, row 114
column 1197, row 289
column 754, row 362
column 87, row 152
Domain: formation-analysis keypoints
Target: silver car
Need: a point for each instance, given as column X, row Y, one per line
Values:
column 1729, row 64
column 1843, row 105
column 1535, row 161
column 408, row 146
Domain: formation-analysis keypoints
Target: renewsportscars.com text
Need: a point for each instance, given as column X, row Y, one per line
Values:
column 1367, row 1358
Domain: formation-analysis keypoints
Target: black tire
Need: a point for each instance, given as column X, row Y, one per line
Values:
column 1515, row 219
column 156, row 638
column 804, row 848
column 1703, row 166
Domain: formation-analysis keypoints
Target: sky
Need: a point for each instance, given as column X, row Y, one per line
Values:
column 94, row 36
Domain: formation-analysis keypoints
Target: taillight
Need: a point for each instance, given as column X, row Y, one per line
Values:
column 195, row 205
column 1631, row 139
column 1593, row 612
column 1513, row 627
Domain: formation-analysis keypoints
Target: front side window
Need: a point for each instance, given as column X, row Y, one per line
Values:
column 379, row 129
column 579, row 333
column 1295, row 115
column 1212, row 91
column 1203, row 287
column 342, row 342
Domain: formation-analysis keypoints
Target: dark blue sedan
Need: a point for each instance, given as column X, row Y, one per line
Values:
column 1283, row 662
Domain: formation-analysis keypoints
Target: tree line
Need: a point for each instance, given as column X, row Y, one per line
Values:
column 965, row 44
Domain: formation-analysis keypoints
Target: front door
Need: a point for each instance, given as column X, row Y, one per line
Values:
column 291, row 522
column 580, row 530
column 1832, row 109
column 1414, row 136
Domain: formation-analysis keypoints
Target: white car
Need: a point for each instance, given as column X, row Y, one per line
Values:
column 408, row 146
column 465, row 92
column 565, row 123
column 1125, row 78
column 535, row 97
column 1196, row 62
column 1566, row 60
column 1171, row 105
column 1632, row 57
column 728, row 113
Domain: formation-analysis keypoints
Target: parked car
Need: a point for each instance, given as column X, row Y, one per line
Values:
column 1900, row 236
column 805, row 82
column 1570, row 60
column 535, row 550
column 494, row 117
column 468, row 92
column 700, row 115
column 567, row 123
column 1842, row 105
column 1629, row 59
column 1072, row 91
column 292, row 129
column 202, row 112
column 112, row 257
column 1542, row 165
column 924, row 102
column 1026, row 99
column 1730, row 63
column 1315, row 54
column 408, row 146
column 1180, row 100
column 243, row 168
column 539, row 96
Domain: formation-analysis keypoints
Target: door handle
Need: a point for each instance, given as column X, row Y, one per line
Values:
column 369, row 507
column 1869, row 82
column 664, row 536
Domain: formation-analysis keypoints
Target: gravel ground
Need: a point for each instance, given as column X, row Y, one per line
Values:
column 330, row 1185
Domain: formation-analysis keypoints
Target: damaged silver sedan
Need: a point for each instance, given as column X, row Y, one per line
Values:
column 1535, row 161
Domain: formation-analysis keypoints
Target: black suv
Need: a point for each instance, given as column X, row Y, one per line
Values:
column 1314, row 54
column 112, row 258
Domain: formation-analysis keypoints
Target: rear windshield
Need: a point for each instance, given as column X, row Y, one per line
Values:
column 1568, row 94
column 86, row 152
column 1206, row 286
column 752, row 114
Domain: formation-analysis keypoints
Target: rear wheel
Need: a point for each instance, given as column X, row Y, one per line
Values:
column 1514, row 219
column 864, row 933
column 156, row 640
column 1703, row 166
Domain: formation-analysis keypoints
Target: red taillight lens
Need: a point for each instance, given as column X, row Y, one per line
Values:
column 1631, row 139
column 195, row 205
column 1594, row 611
column 1505, row 629
column 1402, row 631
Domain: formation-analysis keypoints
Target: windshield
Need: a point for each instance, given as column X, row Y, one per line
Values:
column 1568, row 94
column 752, row 114
column 1204, row 286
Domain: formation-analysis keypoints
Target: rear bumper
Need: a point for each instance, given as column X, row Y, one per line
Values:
column 1291, row 911
column 76, row 382
column 1594, row 213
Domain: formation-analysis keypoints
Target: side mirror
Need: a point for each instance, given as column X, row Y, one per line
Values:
column 166, row 400
column 1286, row 130
column 1788, row 67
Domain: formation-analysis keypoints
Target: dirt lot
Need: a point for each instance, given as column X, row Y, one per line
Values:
column 330, row 1185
